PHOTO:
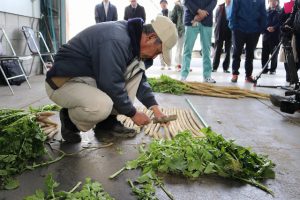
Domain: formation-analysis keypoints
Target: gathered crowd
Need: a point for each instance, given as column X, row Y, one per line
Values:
column 238, row 25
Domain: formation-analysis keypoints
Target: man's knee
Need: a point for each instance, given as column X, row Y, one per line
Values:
column 88, row 116
column 100, row 112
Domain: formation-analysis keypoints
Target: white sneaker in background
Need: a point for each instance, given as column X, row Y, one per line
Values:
column 209, row 80
column 183, row 79
column 169, row 68
column 162, row 68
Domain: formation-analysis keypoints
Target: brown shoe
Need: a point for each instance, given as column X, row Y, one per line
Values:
column 249, row 79
column 234, row 78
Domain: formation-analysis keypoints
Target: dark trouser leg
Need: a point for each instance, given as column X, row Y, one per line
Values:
column 287, row 75
column 226, row 61
column 265, row 54
column 251, row 42
column 218, row 52
column 275, row 57
column 297, row 37
column 238, row 44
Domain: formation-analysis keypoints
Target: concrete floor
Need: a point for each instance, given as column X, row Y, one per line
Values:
column 250, row 122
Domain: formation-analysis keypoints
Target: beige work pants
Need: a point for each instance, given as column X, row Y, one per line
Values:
column 88, row 105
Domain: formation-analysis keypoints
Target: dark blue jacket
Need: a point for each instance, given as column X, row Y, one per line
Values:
column 248, row 16
column 112, row 14
column 139, row 11
column 273, row 19
column 103, row 52
column 191, row 7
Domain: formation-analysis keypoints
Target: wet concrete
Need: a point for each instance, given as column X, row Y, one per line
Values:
column 250, row 122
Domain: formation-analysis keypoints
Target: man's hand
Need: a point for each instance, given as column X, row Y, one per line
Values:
column 202, row 13
column 198, row 18
column 271, row 29
column 140, row 118
column 157, row 112
column 286, row 28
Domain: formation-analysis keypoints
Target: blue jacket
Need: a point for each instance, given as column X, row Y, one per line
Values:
column 191, row 7
column 103, row 52
column 112, row 14
column 247, row 16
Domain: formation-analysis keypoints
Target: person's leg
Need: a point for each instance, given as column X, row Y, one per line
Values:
column 251, row 42
column 217, row 53
column 162, row 62
column 274, row 58
column 189, row 41
column 287, row 73
column 205, row 38
column 86, row 104
column 265, row 55
column 297, row 41
column 238, row 44
column 111, row 125
column 178, row 55
column 226, row 61
column 169, row 66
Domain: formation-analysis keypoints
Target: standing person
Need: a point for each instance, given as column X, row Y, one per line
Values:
column 105, row 12
column 247, row 20
column 134, row 10
column 164, row 12
column 286, row 20
column 177, row 19
column 222, row 35
column 283, row 17
column 100, row 71
column 271, row 36
column 198, row 19
column 294, row 22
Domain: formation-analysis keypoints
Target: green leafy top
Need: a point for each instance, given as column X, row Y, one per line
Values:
column 165, row 84
column 89, row 191
column 193, row 157
column 21, row 140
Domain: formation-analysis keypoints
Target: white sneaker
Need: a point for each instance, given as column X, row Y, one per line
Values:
column 209, row 80
column 169, row 67
column 183, row 79
column 162, row 67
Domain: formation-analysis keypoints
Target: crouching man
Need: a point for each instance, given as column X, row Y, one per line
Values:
column 99, row 72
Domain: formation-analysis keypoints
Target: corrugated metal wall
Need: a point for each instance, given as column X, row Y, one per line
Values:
column 13, row 15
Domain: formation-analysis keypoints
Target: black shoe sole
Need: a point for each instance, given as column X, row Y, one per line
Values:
column 72, row 139
column 125, row 135
column 105, row 133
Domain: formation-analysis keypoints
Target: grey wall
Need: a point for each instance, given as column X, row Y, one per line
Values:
column 30, row 8
column 12, row 24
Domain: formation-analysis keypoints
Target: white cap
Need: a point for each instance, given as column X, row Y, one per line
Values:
column 167, row 33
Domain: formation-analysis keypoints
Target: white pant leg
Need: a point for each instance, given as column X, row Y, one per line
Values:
column 179, row 47
column 87, row 105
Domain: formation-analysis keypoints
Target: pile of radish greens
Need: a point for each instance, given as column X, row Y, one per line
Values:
column 22, row 142
column 192, row 157
column 92, row 190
